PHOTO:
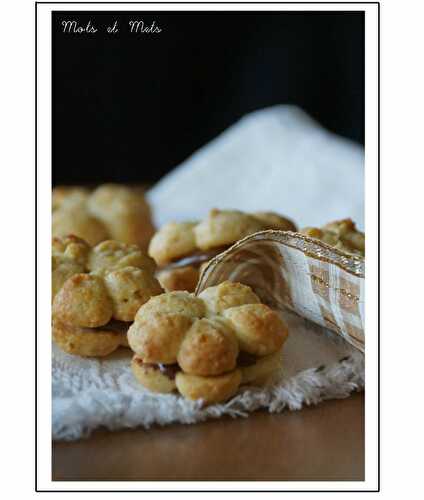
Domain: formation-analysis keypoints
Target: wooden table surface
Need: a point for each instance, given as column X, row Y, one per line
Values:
column 324, row 442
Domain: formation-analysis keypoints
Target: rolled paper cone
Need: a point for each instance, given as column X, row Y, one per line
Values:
column 291, row 270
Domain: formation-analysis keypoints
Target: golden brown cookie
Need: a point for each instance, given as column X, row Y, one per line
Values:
column 71, row 248
column 62, row 269
column 173, row 241
column 69, row 196
column 161, row 324
column 209, row 348
column 83, row 301
column 125, row 213
column 209, row 389
column 341, row 234
column 224, row 227
column 155, row 377
column 111, row 211
column 179, row 302
column 179, row 278
column 182, row 248
column 275, row 221
column 158, row 337
column 76, row 220
column 212, row 342
column 111, row 254
column 68, row 258
column 129, row 288
column 259, row 329
column 87, row 342
column 96, row 293
column 258, row 370
column 226, row 295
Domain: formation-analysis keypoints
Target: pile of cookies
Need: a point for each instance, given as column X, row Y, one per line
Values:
column 206, row 346
column 341, row 234
column 181, row 249
column 111, row 211
column 115, row 282
column 97, row 292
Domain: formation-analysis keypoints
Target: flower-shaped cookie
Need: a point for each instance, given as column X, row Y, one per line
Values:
column 341, row 234
column 181, row 248
column 206, row 346
column 97, row 292
column 111, row 211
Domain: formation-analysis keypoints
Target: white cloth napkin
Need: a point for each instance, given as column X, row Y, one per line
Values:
column 275, row 159
column 89, row 393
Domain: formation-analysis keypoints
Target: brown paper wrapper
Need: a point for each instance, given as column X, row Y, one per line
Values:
column 291, row 270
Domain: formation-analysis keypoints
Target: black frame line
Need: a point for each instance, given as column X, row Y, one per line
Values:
column 36, row 242
column 208, row 3
column 378, row 259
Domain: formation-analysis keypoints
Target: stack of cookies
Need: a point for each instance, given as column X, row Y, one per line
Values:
column 207, row 346
column 180, row 249
column 97, row 292
column 108, row 293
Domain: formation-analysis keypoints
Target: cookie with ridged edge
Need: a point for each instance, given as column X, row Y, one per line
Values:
column 97, row 292
column 111, row 254
column 71, row 248
column 129, row 288
column 223, row 331
column 341, row 234
column 69, row 256
column 111, row 211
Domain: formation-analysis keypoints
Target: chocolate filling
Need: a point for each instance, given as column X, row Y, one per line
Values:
column 195, row 259
column 114, row 326
column 246, row 359
column 169, row 371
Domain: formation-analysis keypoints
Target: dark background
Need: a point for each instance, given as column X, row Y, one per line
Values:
column 129, row 107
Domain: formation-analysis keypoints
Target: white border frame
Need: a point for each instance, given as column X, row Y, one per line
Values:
column 44, row 126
